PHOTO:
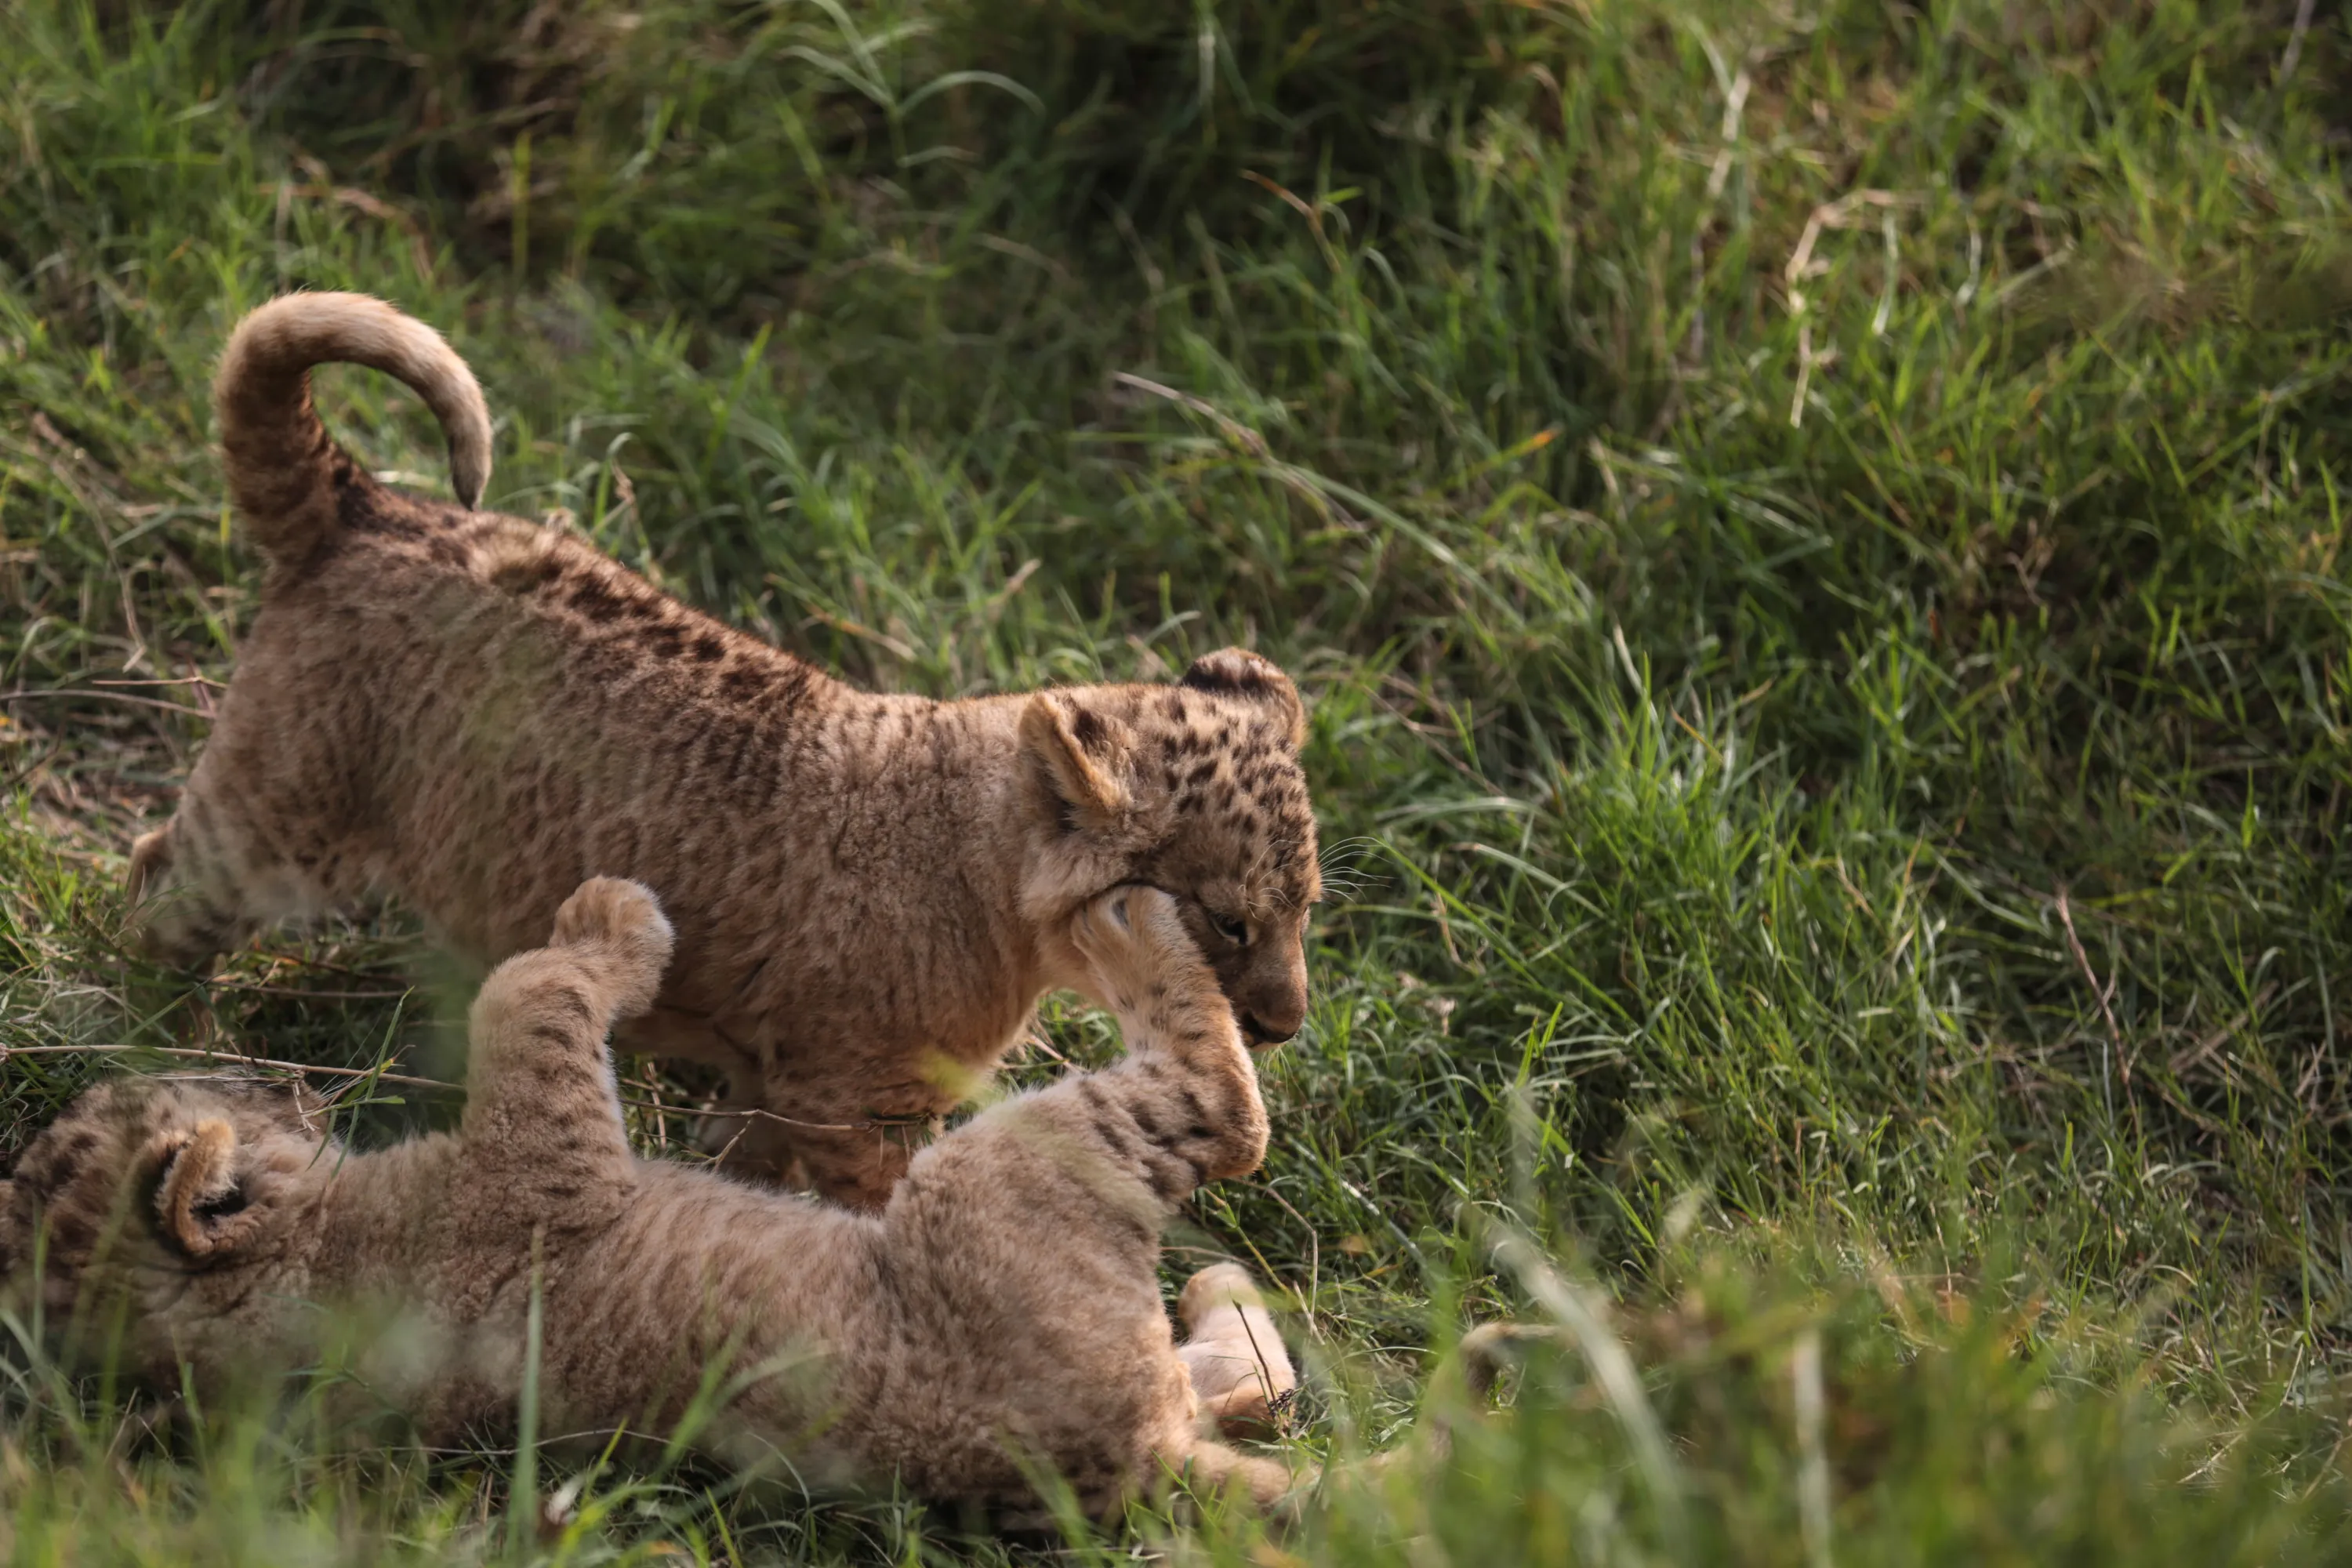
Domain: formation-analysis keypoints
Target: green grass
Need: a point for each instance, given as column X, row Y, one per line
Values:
column 1814, row 537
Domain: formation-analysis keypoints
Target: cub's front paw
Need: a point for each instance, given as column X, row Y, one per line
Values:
column 150, row 862
column 625, row 936
column 1135, row 942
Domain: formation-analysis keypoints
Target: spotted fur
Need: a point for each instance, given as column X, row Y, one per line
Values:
column 474, row 713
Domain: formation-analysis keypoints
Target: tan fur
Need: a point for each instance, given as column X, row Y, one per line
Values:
column 1232, row 1352
column 282, row 465
column 474, row 713
column 1004, row 1305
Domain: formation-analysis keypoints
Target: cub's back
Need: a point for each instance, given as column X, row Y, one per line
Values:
column 476, row 712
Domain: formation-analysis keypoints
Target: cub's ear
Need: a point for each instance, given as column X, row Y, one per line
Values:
column 1079, row 756
column 198, row 1199
column 1237, row 672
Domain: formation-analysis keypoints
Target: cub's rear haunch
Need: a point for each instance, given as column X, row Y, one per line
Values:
column 474, row 713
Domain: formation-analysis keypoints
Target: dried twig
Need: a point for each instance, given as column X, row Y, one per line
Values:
column 2195, row 1055
column 230, row 1058
column 90, row 695
column 871, row 1123
column 164, row 680
column 2122, row 1057
column 254, row 988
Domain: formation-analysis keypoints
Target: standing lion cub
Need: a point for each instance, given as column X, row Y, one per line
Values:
column 475, row 713
column 1002, row 1308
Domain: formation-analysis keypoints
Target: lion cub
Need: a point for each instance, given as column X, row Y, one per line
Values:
column 475, row 713
column 1004, row 1305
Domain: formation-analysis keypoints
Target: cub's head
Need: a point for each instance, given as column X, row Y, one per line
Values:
column 1194, row 788
column 153, row 1199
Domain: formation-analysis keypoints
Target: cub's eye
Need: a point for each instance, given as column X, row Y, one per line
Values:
column 1233, row 931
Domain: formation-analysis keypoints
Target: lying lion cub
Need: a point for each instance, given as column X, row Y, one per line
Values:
column 476, row 713
column 1004, row 1305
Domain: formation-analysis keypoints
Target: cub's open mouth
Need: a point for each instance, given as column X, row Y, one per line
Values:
column 1257, row 1036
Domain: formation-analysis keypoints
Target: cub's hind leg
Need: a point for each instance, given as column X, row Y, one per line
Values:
column 543, row 1128
column 856, row 1166
column 1235, row 1360
column 1252, row 1480
column 264, row 828
column 848, row 1141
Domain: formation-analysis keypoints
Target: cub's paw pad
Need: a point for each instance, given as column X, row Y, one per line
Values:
column 1160, row 936
column 1110, row 928
column 1135, row 941
column 1218, row 1285
column 624, row 921
column 609, row 909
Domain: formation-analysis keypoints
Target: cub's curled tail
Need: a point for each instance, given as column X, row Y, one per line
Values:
column 284, row 469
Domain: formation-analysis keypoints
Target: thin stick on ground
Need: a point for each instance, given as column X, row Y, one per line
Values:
column 2121, row 1054
column 232, row 1058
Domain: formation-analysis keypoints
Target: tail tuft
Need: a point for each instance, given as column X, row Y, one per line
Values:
column 280, row 461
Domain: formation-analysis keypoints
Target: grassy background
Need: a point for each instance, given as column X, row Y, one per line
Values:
column 1813, row 537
